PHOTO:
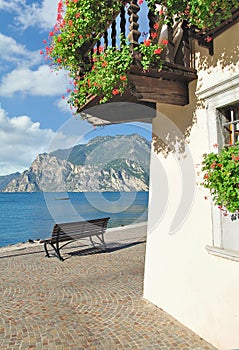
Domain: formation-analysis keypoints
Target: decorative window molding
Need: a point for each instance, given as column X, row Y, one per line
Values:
column 224, row 87
column 223, row 253
column 219, row 98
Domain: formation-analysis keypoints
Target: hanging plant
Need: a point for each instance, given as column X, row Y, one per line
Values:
column 221, row 177
column 81, row 23
column 204, row 14
column 107, row 76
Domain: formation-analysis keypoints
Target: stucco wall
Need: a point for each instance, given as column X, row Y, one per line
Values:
column 181, row 277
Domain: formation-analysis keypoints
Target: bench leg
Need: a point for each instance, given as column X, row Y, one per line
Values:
column 57, row 251
column 101, row 239
column 46, row 250
column 92, row 242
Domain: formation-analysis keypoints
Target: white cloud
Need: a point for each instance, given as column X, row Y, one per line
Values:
column 20, row 141
column 27, row 15
column 9, row 5
column 20, row 68
column 64, row 106
column 44, row 16
column 40, row 82
column 16, row 53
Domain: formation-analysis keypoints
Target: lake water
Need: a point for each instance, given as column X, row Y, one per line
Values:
column 26, row 216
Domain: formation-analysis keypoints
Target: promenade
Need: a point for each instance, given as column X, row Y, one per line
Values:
column 92, row 300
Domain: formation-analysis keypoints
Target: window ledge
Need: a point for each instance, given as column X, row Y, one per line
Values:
column 223, row 253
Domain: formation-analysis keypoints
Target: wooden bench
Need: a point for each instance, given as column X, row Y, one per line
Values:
column 72, row 231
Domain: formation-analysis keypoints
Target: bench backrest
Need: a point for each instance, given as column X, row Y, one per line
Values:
column 80, row 229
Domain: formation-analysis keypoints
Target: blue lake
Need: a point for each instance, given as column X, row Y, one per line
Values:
column 26, row 216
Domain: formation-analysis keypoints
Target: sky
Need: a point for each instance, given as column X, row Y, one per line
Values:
column 33, row 114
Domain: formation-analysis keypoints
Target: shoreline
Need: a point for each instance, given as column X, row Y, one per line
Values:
column 113, row 231
column 19, row 246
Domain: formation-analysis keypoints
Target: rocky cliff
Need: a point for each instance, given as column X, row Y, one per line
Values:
column 119, row 163
column 6, row 179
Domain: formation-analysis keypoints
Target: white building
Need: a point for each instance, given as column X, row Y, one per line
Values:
column 193, row 273
column 192, row 253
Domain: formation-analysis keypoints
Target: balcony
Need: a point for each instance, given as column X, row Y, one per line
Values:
column 165, row 84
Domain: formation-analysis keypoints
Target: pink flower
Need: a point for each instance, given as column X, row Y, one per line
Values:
column 213, row 165
column 41, row 52
column 165, row 42
column 115, row 92
column 154, row 35
column 140, row 2
column 156, row 26
column 147, row 42
column 208, row 39
column 158, row 51
column 234, row 157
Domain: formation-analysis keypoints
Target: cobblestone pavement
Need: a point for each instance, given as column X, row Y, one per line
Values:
column 92, row 300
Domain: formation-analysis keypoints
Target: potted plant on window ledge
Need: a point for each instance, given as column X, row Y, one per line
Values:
column 221, row 177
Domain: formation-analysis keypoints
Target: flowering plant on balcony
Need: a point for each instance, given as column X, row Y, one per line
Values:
column 150, row 53
column 221, row 177
column 106, row 78
column 204, row 14
column 104, row 73
column 81, row 23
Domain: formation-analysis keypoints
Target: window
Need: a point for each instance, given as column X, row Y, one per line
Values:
column 222, row 106
column 230, row 124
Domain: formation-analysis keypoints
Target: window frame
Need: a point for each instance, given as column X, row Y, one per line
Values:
column 230, row 112
column 218, row 97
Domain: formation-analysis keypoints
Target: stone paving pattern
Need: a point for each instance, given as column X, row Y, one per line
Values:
column 92, row 300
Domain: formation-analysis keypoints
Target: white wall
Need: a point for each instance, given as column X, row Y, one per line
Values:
column 181, row 277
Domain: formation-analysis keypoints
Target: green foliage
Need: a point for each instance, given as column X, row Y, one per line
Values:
column 221, row 176
column 106, row 78
column 81, row 22
column 150, row 54
column 203, row 14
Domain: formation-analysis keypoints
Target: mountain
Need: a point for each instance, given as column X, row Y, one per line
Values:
column 96, row 151
column 6, row 179
column 109, row 163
